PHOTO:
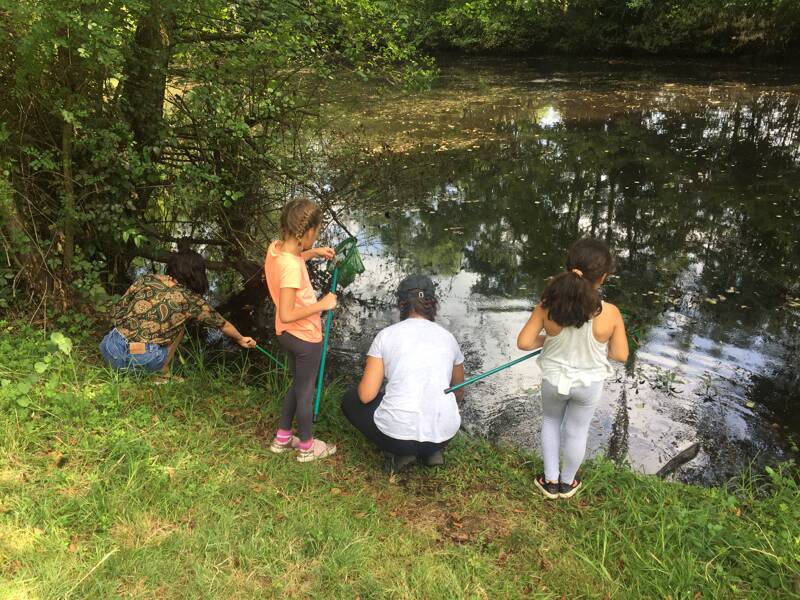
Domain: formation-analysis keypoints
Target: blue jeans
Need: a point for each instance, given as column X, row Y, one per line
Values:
column 116, row 353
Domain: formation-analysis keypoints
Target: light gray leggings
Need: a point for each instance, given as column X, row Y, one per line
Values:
column 573, row 413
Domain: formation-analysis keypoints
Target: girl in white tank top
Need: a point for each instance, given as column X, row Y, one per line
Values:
column 574, row 357
column 581, row 333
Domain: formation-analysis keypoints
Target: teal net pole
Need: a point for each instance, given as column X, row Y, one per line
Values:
column 325, row 346
column 492, row 372
column 279, row 363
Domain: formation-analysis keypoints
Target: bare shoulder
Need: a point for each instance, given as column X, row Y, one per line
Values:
column 611, row 312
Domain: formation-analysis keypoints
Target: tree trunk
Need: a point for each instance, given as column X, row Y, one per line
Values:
column 68, row 249
column 144, row 88
column 142, row 104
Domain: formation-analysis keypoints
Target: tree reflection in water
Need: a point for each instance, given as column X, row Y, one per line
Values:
column 695, row 187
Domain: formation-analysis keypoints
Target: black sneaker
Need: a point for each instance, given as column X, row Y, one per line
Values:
column 395, row 463
column 548, row 488
column 566, row 490
column 433, row 460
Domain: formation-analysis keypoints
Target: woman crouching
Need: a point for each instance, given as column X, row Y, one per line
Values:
column 148, row 321
column 412, row 419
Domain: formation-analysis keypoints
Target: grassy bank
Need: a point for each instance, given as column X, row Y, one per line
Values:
column 115, row 487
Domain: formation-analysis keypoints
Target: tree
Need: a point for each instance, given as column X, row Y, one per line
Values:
column 132, row 126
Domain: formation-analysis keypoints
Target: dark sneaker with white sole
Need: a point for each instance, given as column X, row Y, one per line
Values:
column 549, row 489
column 395, row 463
column 433, row 460
column 568, row 490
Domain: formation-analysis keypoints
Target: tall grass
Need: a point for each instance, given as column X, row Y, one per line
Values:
column 111, row 486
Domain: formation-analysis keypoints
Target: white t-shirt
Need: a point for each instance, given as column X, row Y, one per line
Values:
column 418, row 359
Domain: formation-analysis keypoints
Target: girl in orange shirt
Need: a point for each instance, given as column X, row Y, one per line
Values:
column 298, row 324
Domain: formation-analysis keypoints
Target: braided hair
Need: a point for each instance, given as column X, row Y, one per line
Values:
column 416, row 301
column 298, row 216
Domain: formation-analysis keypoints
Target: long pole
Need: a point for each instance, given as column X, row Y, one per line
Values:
column 475, row 378
column 280, row 364
column 325, row 347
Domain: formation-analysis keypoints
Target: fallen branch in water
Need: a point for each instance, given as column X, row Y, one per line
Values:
column 679, row 460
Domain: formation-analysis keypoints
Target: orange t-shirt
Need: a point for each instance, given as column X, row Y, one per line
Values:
column 286, row 270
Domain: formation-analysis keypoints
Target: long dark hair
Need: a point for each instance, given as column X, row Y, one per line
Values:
column 188, row 268
column 424, row 307
column 570, row 297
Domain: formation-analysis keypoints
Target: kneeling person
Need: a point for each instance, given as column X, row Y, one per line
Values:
column 413, row 418
column 149, row 319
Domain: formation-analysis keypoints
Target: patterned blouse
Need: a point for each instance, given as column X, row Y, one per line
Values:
column 153, row 311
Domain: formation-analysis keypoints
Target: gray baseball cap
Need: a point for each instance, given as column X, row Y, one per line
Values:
column 416, row 285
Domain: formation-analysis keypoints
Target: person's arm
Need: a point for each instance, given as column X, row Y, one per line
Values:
column 202, row 311
column 530, row 337
column 371, row 380
column 321, row 252
column 456, row 378
column 244, row 341
column 618, row 344
column 289, row 313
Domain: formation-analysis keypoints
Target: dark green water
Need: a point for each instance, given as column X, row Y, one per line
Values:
column 690, row 173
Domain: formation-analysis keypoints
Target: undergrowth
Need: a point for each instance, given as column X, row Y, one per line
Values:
column 112, row 486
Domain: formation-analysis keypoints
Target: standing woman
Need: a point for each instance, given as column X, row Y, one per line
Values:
column 582, row 333
column 413, row 418
column 148, row 321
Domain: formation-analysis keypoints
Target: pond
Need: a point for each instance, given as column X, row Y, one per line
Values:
column 691, row 173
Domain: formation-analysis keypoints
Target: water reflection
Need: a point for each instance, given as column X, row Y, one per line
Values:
column 693, row 185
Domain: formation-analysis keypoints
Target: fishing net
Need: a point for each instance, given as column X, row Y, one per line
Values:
column 348, row 262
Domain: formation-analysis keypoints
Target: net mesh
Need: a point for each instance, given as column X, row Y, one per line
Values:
column 348, row 261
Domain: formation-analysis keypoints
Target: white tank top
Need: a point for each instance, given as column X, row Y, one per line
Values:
column 574, row 357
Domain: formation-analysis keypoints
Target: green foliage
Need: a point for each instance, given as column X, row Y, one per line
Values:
column 37, row 387
column 585, row 26
column 131, row 124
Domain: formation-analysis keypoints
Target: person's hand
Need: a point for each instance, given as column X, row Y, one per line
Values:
column 325, row 252
column 247, row 342
column 328, row 302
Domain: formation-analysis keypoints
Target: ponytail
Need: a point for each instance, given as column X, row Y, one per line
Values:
column 571, row 298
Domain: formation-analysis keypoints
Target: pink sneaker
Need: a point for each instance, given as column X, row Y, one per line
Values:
column 318, row 449
column 281, row 447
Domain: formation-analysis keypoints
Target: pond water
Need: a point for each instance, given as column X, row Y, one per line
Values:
column 691, row 173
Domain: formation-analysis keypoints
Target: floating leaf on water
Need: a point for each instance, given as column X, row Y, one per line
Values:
column 711, row 300
column 750, row 405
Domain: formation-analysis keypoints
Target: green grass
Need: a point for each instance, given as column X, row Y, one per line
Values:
column 114, row 487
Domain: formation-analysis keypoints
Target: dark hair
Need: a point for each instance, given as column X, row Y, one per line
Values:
column 570, row 297
column 424, row 306
column 298, row 216
column 188, row 268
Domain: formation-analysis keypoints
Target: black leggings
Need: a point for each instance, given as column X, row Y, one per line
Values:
column 362, row 416
column 304, row 360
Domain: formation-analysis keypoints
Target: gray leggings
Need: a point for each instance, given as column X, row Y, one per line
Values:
column 572, row 412
column 304, row 360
